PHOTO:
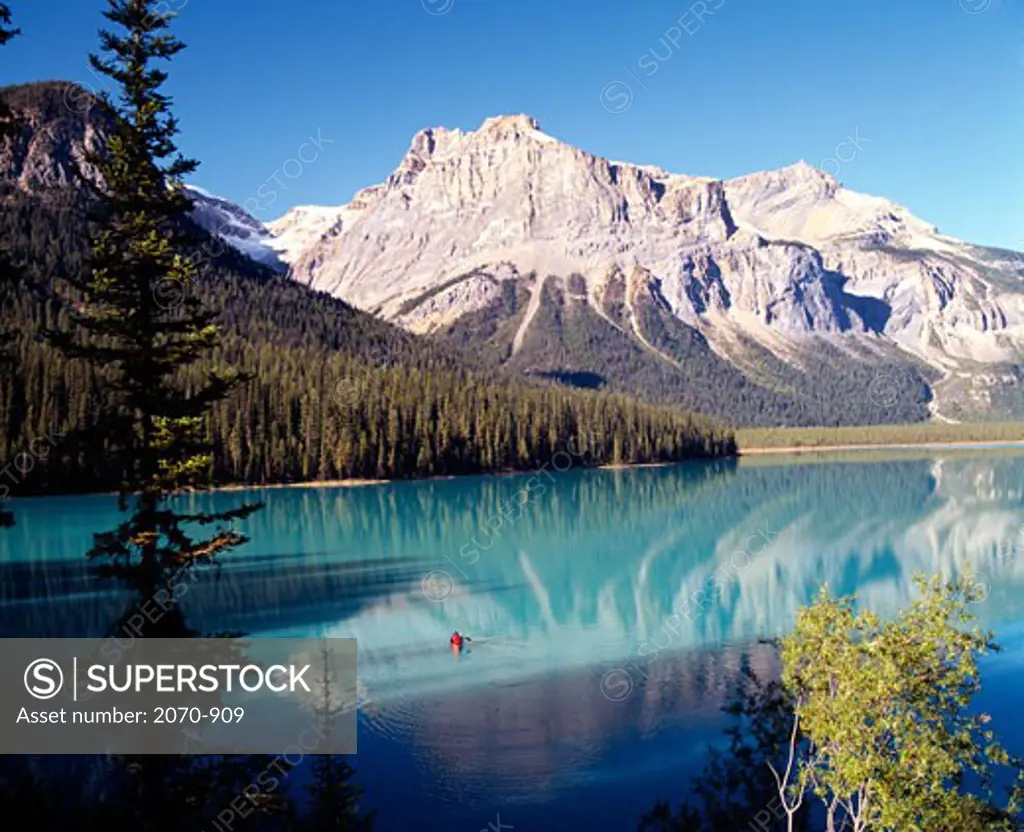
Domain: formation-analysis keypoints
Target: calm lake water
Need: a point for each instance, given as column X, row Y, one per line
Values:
column 585, row 695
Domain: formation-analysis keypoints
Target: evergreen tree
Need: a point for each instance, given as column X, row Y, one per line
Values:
column 153, row 414
column 333, row 797
column 8, row 272
column 736, row 790
column 152, row 424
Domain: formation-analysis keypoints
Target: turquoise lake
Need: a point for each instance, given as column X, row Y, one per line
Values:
column 594, row 681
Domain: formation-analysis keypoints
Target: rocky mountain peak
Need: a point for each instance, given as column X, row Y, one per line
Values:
column 60, row 125
column 777, row 256
column 799, row 176
column 503, row 127
column 433, row 139
column 803, row 170
column 442, row 142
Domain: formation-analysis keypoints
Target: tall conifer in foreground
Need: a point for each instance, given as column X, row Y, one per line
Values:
column 133, row 316
column 8, row 272
column 136, row 318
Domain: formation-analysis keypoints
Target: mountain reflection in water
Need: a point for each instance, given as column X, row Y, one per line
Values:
column 559, row 600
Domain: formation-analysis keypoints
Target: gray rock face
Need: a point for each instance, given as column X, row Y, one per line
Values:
column 58, row 127
column 61, row 125
column 779, row 255
column 945, row 300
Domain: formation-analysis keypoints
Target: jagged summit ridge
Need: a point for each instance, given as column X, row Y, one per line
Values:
column 515, row 125
column 507, row 193
column 784, row 253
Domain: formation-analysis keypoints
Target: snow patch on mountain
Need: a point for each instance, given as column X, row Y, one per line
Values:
column 302, row 227
column 234, row 226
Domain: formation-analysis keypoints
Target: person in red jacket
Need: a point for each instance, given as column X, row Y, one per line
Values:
column 457, row 640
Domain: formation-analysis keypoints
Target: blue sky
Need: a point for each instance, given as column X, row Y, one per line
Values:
column 933, row 89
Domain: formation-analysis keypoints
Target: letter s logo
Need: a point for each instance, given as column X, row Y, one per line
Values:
column 44, row 678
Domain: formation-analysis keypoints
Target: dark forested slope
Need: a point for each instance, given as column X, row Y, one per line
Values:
column 335, row 392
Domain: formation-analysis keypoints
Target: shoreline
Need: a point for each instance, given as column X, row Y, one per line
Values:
column 357, row 483
column 741, row 452
column 801, row 449
column 795, row 450
column 353, row 483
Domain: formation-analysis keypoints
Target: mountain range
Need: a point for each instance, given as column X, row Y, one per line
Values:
column 556, row 261
column 329, row 391
column 776, row 298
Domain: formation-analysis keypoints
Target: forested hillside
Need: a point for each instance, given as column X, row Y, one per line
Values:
column 334, row 392
column 571, row 341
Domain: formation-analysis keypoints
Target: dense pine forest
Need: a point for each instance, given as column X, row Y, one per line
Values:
column 332, row 392
column 568, row 340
